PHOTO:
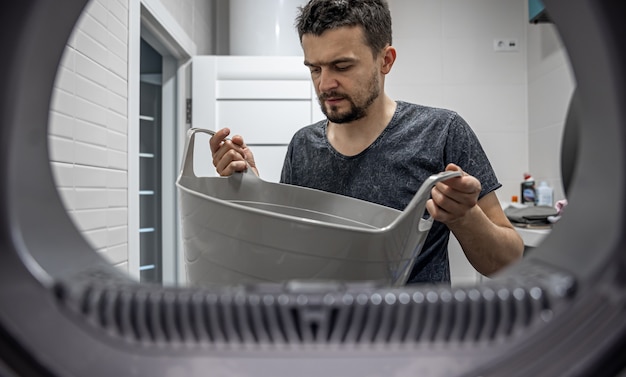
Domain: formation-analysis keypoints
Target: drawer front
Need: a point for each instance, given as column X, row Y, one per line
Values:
column 263, row 89
column 264, row 122
column 269, row 161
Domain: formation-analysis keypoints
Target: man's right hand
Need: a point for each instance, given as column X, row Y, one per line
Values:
column 230, row 155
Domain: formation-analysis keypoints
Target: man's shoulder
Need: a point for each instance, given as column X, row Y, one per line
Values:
column 312, row 131
column 314, row 128
column 425, row 112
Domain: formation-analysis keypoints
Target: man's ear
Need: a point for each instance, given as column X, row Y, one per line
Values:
column 389, row 57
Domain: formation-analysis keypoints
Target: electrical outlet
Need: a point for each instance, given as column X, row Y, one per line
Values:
column 505, row 45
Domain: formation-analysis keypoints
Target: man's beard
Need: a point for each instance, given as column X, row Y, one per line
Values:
column 357, row 111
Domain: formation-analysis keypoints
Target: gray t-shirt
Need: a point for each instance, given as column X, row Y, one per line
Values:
column 418, row 141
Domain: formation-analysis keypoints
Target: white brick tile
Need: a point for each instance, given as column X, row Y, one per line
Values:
column 94, row 29
column 118, row 48
column 117, row 85
column 117, row 65
column 92, row 219
column 90, row 91
column 117, row 141
column 117, row 235
column 117, row 122
column 61, row 125
column 87, row 198
column 63, row 102
column 117, row 255
column 123, row 266
column 68, row 60
column 61, row 149
column 116, row 179
column 65, row 80
column 89, row 111
column 71, row 41
column 120, row 15
column 97, row 10
column 116, row 217
column 96, row 238
column 90, row 48
column 117, row 160
column 63, row 174
column 117, row 28
column 90, row 155
column 88, row 68
column 90, row 133
column 117, row 198
column 87, row 176
column 117, row 103
column 123, row 4
column 68, row 197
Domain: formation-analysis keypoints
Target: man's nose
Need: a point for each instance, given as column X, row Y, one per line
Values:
column 327, row 80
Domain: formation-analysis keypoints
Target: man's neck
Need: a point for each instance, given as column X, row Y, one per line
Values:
column 354, row 137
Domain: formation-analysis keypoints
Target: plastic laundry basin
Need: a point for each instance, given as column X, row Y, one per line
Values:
column 242, row 229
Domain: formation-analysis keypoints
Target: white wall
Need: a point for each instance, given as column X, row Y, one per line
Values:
column 515, row 101
column 88, row 133
column 88, row 128
column 196, row 19
column 446, row 59
column 550, row 86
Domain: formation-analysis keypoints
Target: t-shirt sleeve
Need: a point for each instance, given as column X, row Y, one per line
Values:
column 464, row 149
column 285, row 174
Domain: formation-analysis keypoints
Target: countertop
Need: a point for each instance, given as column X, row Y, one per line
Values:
column 532, row 237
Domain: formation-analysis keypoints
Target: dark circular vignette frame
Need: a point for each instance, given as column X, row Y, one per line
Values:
column 64, row 311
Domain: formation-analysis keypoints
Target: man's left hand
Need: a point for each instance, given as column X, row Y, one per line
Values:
column 453, row 198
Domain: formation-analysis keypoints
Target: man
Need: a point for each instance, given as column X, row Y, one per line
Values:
column 377, row 149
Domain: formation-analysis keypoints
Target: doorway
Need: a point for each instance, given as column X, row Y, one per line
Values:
column 150, row 165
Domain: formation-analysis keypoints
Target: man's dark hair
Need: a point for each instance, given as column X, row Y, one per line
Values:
column 373, row 15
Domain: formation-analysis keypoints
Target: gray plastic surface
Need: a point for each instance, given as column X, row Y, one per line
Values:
column 64, row 311
column 242, row 229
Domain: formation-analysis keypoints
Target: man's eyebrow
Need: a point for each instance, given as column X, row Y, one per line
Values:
column 333, row 62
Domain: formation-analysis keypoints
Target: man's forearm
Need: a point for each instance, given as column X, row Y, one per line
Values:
column 489, row 245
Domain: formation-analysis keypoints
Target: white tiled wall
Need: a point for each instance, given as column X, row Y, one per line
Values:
column 514, row 101
column 88, row 127
column 88, row 134
column 196, row 18
column 550, row 86
column 446, row 59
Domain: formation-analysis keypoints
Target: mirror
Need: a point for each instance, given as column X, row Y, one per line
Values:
column 515, row 101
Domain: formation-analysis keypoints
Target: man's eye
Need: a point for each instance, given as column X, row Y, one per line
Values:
column 342, row 67
column 314, row 69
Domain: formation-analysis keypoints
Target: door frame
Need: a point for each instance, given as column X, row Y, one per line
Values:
column 150, row 20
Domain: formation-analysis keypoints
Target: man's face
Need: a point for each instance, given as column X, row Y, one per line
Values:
column 344, row 73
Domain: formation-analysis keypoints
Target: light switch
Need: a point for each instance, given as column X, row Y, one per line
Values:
column 505, row 45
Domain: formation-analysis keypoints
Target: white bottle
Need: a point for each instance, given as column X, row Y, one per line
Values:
column 544, row 194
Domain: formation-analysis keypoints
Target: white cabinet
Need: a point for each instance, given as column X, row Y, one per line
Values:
column 462, row 273
column 263, row 122
column 265, row 99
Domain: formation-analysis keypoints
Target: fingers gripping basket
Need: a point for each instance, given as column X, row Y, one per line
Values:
column 241, row 229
